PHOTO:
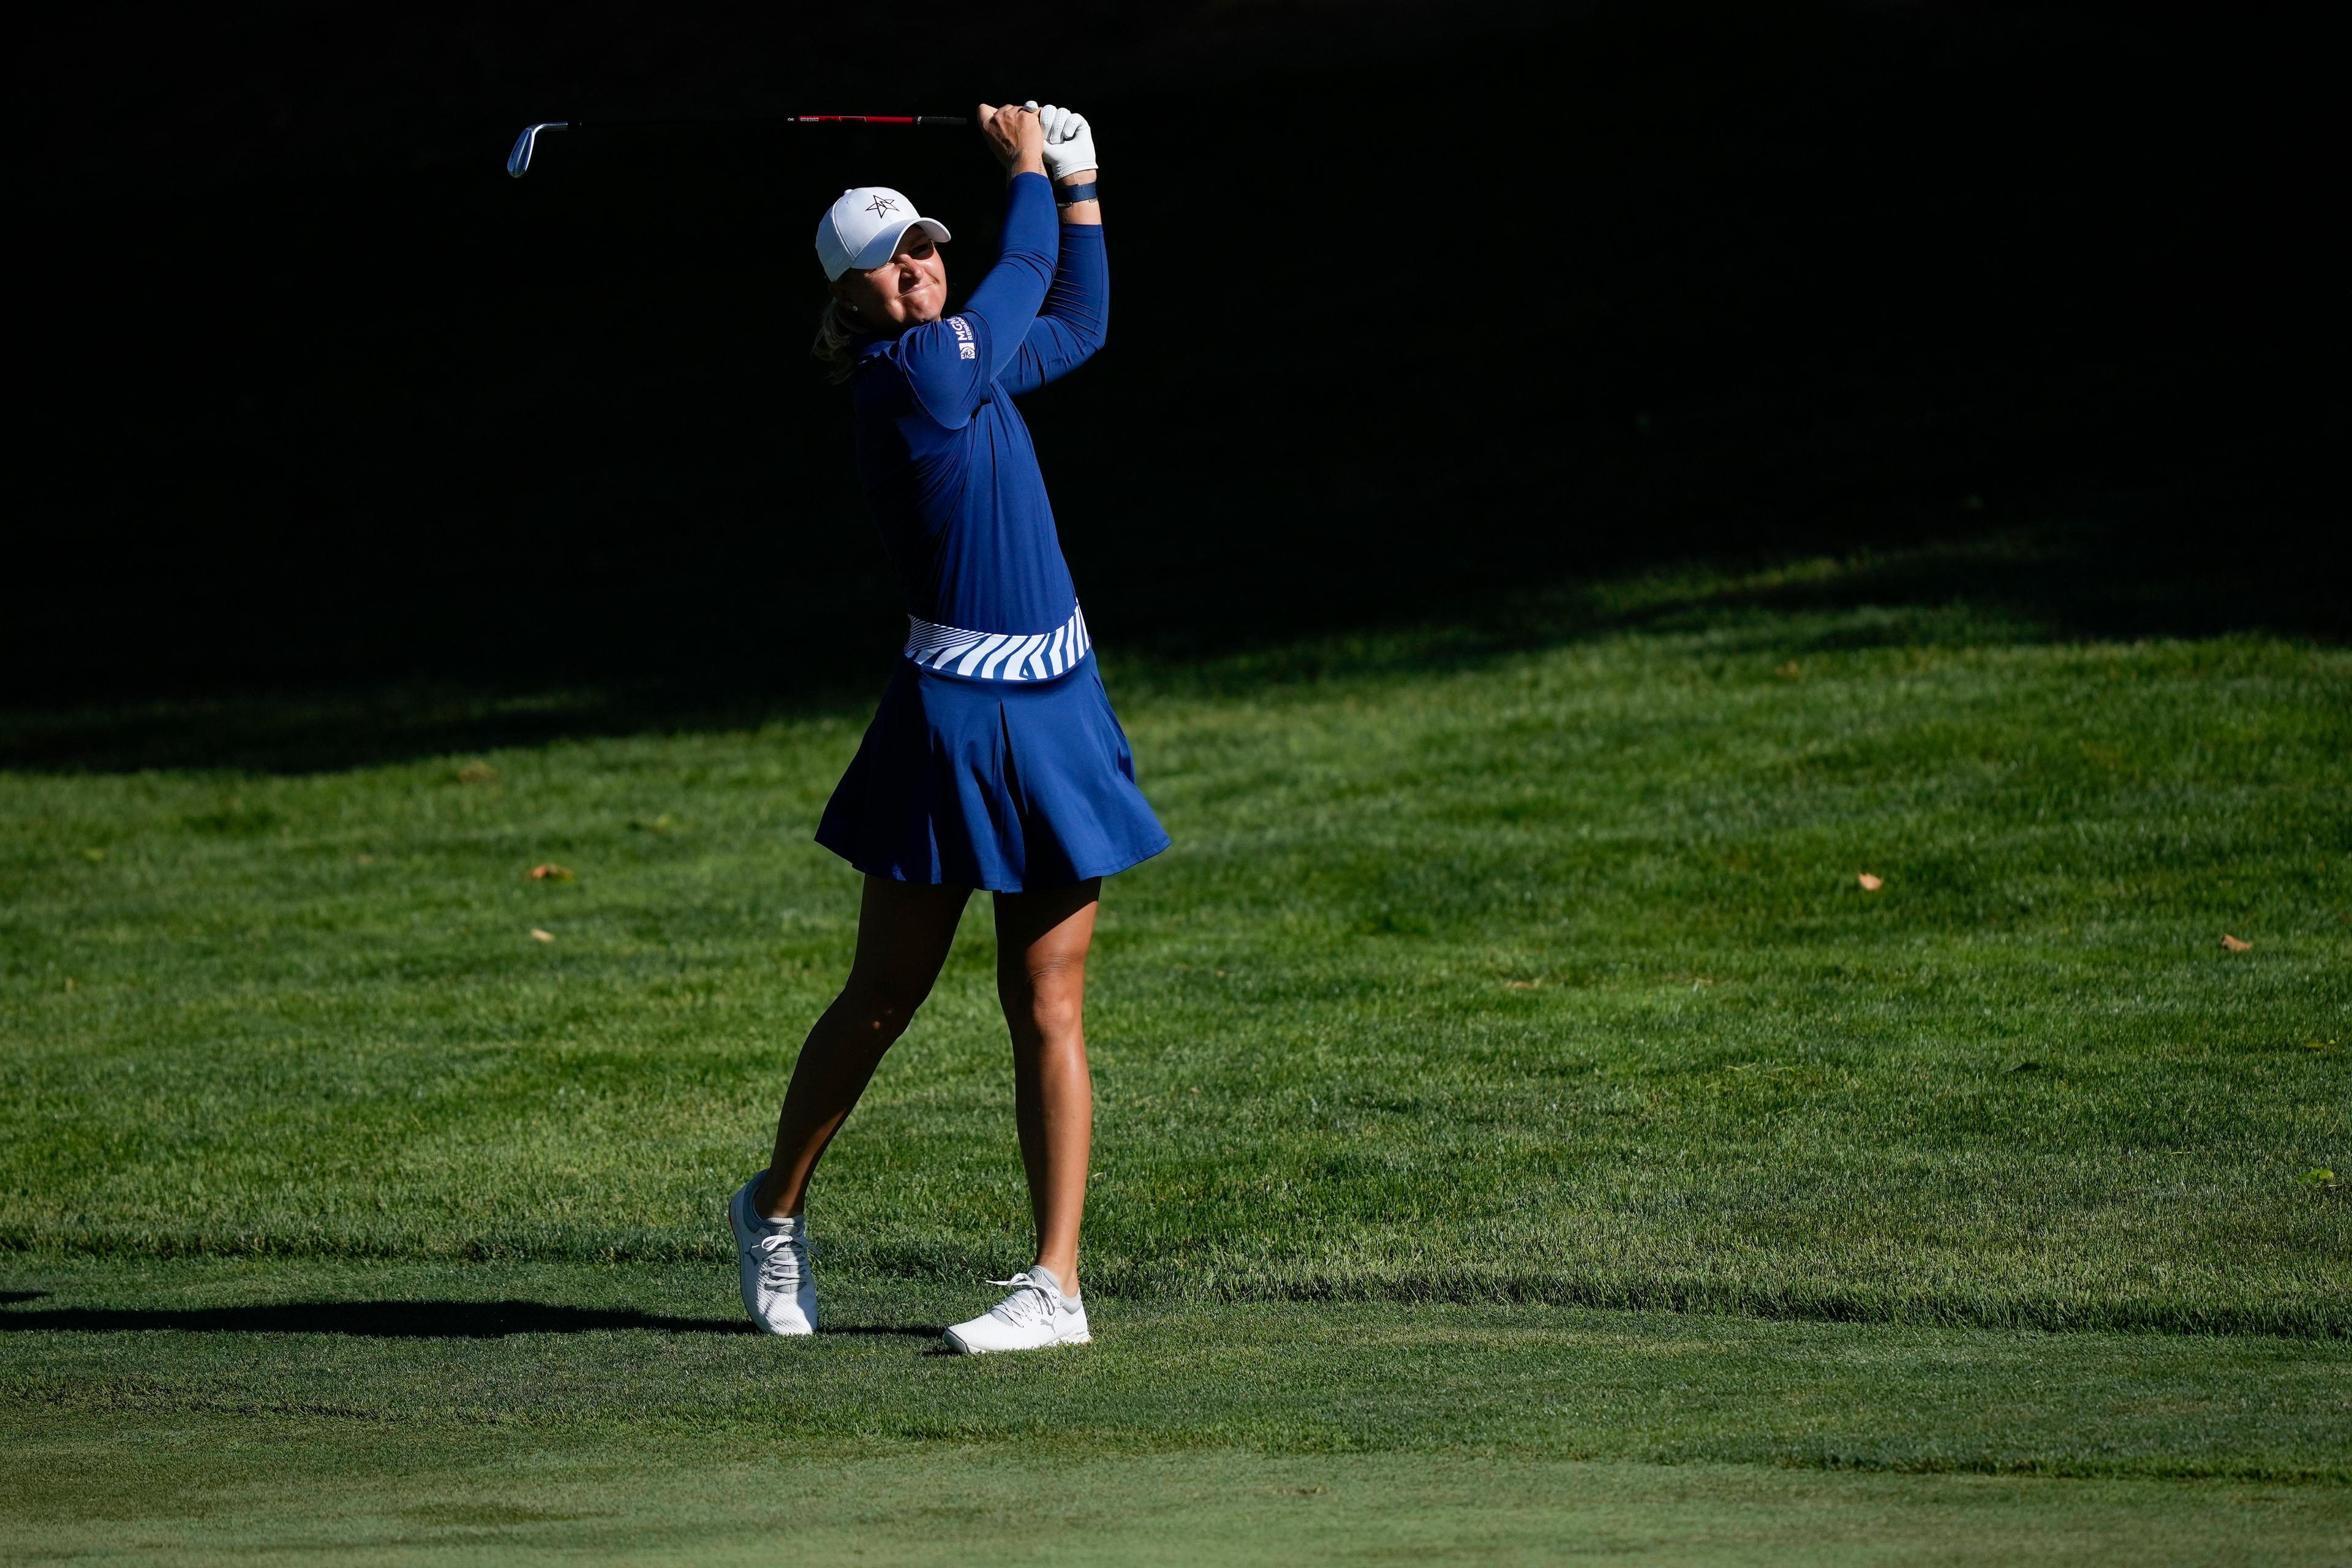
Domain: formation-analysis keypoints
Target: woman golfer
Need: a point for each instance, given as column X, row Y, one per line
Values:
column 995, row 761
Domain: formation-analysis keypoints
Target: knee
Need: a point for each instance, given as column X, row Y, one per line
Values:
column 879, row 1008
column 1048, row 997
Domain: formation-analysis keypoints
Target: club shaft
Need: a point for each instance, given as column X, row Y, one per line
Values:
column 943, row 119
column 519, row 161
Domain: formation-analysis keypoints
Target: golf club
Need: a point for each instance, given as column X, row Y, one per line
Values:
column 519, row 159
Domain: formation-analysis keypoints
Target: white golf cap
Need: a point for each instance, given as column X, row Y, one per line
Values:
column 863, row 229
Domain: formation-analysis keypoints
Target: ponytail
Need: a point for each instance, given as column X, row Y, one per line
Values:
column 838, row 331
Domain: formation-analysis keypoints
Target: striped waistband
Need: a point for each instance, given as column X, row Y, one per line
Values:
column 999, row 656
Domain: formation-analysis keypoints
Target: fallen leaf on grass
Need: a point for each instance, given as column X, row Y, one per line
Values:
column 1870, row 884
column 552, row 872
column 2319, row 1178
column 475, row 771
column 2234, row 944
column 539, row 935
column 1522, row 984
column 1788, row 671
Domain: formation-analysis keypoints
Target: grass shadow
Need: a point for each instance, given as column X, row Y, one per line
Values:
column 2108, row 579
column 397, row 1320
column 370, row 1320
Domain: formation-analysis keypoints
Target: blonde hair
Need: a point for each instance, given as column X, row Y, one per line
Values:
column 837, row 330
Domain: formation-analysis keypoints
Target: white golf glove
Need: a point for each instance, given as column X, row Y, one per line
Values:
column 1070, row 139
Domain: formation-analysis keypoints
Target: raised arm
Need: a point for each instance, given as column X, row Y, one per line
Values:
column 1008, row 299
column 1077, row 313
column 949, row 362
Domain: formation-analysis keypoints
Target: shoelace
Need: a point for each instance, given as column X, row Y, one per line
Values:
column 1031, row 1300
column 780, row 1265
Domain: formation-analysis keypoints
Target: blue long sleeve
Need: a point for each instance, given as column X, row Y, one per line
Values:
column 950, row 363
column 1008, row 298
column 945, row 458
column 1076, row 314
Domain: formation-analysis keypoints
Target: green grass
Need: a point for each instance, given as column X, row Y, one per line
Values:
column 661, row 1350
column 374, row 1409
column 304, row 1492
column 1505, row 1062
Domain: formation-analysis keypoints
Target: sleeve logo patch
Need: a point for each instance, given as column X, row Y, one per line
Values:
column 965, row 347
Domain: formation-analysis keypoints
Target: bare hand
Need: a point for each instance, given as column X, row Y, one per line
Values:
column 1016, row 136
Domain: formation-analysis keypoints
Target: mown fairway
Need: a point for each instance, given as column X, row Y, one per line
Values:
column 1520, row 1132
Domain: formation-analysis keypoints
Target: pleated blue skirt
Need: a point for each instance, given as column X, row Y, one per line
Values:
column 1013, row 786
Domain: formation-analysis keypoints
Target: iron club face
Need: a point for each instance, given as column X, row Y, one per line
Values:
column 519, row 161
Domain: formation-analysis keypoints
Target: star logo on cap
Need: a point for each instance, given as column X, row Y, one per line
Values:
column 881, row 204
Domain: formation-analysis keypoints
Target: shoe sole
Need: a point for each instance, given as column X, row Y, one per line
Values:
column 960, row 1347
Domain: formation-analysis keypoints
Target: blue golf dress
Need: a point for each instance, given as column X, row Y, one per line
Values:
column 995, row 760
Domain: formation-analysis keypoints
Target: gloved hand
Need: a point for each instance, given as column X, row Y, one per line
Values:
column 1070, row 139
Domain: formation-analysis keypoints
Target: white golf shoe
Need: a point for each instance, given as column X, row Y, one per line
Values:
column 778, row 1290
column 1035, row 1316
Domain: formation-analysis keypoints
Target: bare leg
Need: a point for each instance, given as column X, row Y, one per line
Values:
column 1041, row 977
column 903, row 933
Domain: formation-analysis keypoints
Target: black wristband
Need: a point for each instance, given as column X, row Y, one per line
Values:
column 1064, row 196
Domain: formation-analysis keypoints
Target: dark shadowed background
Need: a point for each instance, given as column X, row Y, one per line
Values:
column 1419, row 310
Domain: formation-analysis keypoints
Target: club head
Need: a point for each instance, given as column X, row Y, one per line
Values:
column 519, row 161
